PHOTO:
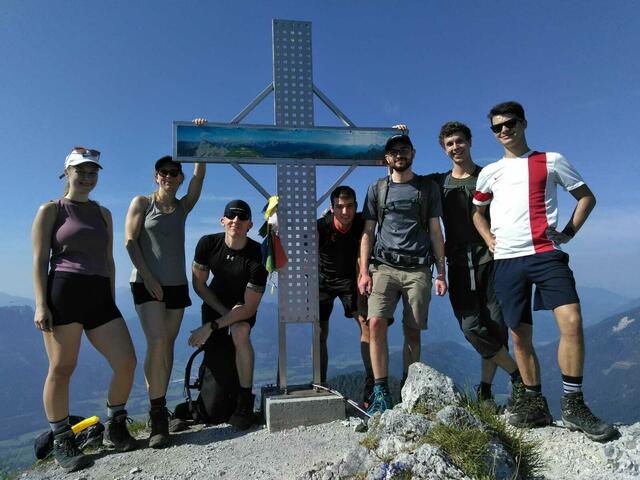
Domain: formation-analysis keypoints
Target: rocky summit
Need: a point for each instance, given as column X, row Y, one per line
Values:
column 412, row 440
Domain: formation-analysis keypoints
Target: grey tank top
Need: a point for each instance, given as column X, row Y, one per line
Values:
column 161, row 240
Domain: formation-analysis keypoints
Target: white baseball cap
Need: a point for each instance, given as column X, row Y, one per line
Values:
column 80, row 155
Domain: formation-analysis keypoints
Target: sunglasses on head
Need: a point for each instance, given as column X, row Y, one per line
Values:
column 241, row 216
column 497, row 128
column 85, row 151
column 173, row 172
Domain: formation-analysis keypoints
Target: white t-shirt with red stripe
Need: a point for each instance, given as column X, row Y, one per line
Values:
column 522, row 192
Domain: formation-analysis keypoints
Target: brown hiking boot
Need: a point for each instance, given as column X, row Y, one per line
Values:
column 531, row 410
column 159, row 421
column 116, row 434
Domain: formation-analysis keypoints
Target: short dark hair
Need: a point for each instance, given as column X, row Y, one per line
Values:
column 450, row 128
column 507, row 108
column 343, row 191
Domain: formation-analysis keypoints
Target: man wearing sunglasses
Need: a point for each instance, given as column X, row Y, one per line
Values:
column 407, row 209
column 522, row 190
column 231, row 299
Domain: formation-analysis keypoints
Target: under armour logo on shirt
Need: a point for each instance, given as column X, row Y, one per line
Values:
column 230, row 257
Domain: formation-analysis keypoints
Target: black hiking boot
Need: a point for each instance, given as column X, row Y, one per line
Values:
column 531, row 410
column 243, row 416
column 577, row 416
column 67, row 454
column 159, row 422
column 116, row 434
column 367, row 395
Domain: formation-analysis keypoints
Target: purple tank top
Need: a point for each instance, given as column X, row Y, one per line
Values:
column 79, row 239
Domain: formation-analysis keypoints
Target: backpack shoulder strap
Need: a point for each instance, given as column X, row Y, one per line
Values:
column 382, row 190
column 425, row 183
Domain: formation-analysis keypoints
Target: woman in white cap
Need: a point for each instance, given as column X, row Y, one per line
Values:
column 74, row 235
column 154, row 238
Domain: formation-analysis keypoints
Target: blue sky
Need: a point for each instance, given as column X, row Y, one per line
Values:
column 113, row 75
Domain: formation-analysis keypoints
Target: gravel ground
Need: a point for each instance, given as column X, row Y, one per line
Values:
column 570, row 455
column 219, row 452
column 222, row 452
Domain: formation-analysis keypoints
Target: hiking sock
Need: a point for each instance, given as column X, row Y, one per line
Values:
column 571, row 384
column 112, row 410
column 485, row 390
column 59, row 425
column 515, row 376
column 244, row 391
column 533, row 388
column 158, row 403
column 381, row 381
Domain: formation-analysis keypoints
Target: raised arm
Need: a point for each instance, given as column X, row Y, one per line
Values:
column 364, row 279
column 41, row 245
column 132, row 227
column 483, row 227
column 195, row 187
column 437, row 244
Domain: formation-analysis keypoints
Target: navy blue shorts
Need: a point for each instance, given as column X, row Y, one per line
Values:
column 548, row 271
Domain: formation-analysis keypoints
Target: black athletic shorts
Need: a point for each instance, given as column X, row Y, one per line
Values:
column 174, row 296
column 78, row 298
column 209, row 314
column 344, row 289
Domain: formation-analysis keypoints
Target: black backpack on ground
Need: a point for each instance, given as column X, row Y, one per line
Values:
column 217, row 382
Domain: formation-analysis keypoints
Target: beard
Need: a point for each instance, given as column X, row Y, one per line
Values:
column 402, row 167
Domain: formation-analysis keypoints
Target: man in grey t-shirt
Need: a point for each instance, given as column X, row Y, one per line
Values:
column 407, row 208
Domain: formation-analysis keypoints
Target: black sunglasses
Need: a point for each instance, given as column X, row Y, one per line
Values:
column 174, row 172
column 84, row 151
column 497, row 128
column 241, row 216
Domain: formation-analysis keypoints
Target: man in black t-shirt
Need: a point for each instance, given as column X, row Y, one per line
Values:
column 471, row 263
column 339, row 233
column 231, row 300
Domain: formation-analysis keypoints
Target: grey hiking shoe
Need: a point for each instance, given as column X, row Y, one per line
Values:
column 116, row 433
column 67, row 454
column 530, row 410
column 486, row 401
column 381, row 400
column 576, row 415
column 159, row 422
column 243, row 416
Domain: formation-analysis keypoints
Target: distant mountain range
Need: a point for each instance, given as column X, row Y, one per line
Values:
column 611, row 373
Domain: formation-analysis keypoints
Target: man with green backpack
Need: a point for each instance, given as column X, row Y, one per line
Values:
column 470, row 264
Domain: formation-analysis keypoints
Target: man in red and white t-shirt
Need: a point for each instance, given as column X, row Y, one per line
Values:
column 522, row 190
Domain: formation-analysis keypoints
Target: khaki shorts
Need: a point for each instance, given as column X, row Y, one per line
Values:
column 413, row 285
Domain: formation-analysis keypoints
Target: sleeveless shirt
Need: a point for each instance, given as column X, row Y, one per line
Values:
column 161, row 241
column 79, row 239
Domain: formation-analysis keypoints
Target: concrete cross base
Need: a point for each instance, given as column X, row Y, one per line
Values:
column 300, row 406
